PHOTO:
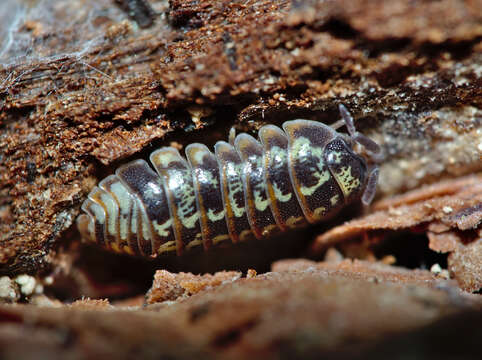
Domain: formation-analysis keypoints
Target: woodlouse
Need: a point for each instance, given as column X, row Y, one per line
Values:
column 247, row 189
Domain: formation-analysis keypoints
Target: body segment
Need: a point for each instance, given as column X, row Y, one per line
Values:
column 283, row 202
column 210, row 205
column 256, row 199
column 181, row 197
column 231, row 187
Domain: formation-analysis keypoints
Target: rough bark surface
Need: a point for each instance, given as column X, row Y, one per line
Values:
column 344, row 310
column 449, row 212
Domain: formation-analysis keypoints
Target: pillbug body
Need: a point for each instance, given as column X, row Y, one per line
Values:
column 247, row 189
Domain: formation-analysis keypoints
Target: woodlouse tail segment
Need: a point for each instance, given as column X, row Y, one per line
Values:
column 97, row 208
column 85, row 224
column 150, row 213
column 90, row 228
column 126, row 239
column 138, row 178
column 96, row 223
column 102, row 224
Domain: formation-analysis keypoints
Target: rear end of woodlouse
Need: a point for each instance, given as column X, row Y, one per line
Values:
column 247, row 189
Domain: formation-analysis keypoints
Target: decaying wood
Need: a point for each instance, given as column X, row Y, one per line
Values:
column 168, row 286
column 300, row 311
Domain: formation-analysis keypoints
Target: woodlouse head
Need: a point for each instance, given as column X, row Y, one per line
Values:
column 373, row 151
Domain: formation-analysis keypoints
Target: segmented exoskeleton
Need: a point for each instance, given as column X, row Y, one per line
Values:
column 247, row 189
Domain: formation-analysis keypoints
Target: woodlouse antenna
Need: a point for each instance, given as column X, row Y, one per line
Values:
column 338, row 124
column 347, row 119
column 371, row 187
column 373, row 149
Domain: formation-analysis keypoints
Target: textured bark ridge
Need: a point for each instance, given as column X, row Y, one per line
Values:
column 82, row 87
column 302, row 309
column 449, row 212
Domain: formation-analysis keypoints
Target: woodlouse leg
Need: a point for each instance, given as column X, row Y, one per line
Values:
column 371, row 186
column 348, row 120
column 232, row 135
column 373, row 149
column 338, row 124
